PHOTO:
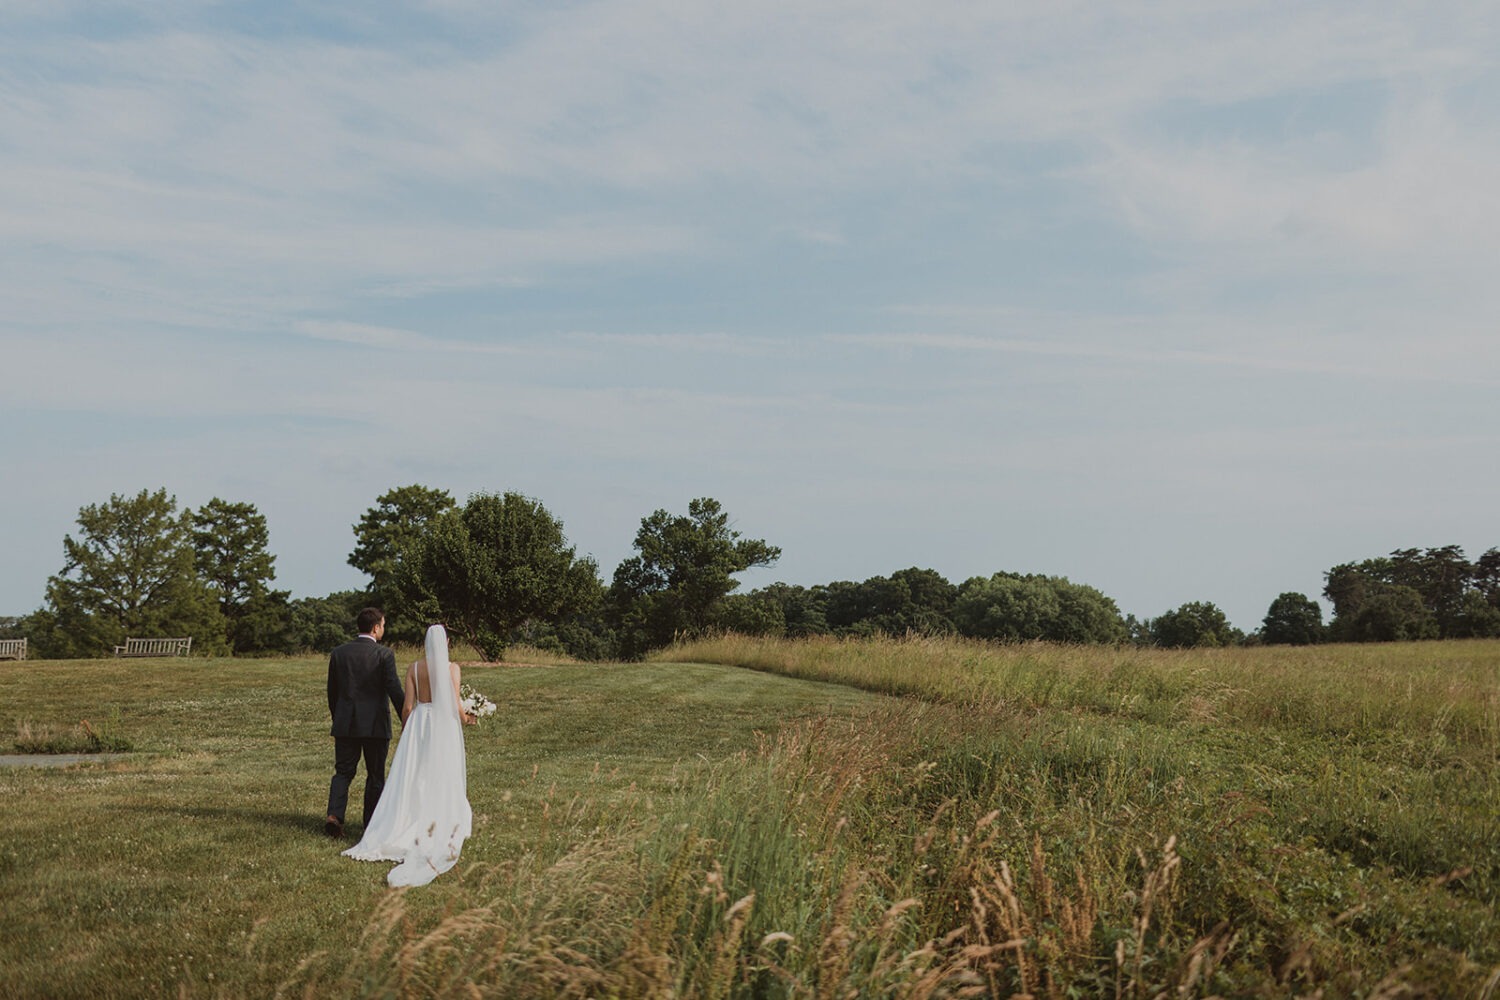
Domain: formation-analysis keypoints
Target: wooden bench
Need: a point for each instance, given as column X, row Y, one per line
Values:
column 12, row 649
column 155, row 647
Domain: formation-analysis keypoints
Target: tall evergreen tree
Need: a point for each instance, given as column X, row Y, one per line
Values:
column 230, row 545
column 490, row 567
column 683, row 572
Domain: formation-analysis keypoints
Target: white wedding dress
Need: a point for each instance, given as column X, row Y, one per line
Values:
column 423, row 816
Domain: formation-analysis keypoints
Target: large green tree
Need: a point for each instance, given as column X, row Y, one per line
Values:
column 489, row 568
column 910, row 600
column 932, row 599
column 1440, row 576
column 1390, row 613
column 1485, row 576
column 321, row 623
column 130, row 571
column 679, row 579
column 1480, row 614
column 230, row 543
column 864, row 607
column 1015, row 607
column 802, row 609
column 1293, row 619
column 1415, row 594
column 400, row 517
column 1196, row 623
column 1477, row 618
column 755, row 613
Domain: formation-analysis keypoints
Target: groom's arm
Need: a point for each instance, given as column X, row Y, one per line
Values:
column 392, row 682
column 333, row 688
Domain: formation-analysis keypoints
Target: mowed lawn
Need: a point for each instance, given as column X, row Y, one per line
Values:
column 199, row 858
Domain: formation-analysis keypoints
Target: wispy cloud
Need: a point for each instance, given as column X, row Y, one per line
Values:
column 1479, row 365
column 323, row 164
column 716, row 342
column 867, row 256
column 390, row 338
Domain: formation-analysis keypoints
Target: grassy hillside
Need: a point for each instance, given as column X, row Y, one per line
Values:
column 1064, row 822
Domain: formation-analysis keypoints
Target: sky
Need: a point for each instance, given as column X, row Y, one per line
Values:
column 1188, row 301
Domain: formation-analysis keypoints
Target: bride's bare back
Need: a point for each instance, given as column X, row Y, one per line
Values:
column 424, row 686
column 419, row 689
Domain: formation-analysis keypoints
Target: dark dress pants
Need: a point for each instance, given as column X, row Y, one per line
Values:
column 347, row 751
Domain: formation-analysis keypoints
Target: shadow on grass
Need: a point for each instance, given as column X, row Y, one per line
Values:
column 232, row 818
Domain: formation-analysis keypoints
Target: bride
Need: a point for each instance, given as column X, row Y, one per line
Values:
column 423, row 816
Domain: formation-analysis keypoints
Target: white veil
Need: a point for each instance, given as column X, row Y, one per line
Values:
column 440, row 677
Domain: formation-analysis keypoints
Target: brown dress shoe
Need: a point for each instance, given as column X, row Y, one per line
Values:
column 334, row 827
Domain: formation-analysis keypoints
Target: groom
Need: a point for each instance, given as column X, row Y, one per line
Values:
column 361, row 675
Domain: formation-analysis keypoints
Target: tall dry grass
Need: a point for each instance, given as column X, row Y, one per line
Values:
column 787, row 877
column 83, row 738
column 1386, row 753
column 928, row 851
column 517, row 654
column 1447, row 692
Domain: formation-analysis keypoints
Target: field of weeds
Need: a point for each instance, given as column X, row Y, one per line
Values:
column 1333, row 813
column 1027, row 820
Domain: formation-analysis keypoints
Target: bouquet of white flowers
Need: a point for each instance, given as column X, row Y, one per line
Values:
column 475, row 703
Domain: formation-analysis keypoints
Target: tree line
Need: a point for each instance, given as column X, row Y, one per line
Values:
column 498, row 569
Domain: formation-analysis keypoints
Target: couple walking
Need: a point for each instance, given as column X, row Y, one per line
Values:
column 421, row 817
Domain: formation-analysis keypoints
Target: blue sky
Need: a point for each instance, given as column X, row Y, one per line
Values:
column 1187, row 302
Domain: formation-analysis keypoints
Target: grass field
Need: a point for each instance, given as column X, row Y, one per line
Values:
column 892, row 819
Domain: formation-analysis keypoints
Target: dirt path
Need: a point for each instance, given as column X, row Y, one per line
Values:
column 47, row 759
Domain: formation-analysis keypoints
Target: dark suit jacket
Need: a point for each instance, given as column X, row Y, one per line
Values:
column 361, row 676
